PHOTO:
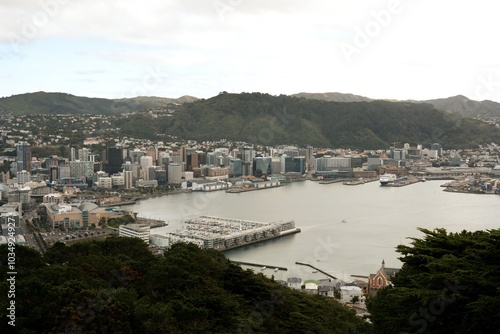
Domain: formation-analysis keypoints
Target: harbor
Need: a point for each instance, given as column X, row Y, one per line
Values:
column 210, row 232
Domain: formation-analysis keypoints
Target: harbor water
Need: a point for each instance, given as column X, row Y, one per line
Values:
column 345, row 230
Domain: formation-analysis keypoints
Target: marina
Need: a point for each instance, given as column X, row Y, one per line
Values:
column 226, row 233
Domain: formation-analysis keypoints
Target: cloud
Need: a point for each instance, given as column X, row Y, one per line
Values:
column 282, row 46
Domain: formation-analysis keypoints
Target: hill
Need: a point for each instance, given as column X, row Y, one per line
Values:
column 118, row 286
column 463, row 106
column 61, row 103
column 265, row 119
column 336, row 97
column 457, row 105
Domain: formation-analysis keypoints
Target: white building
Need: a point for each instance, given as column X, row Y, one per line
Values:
column 294, row 283
column 146, row 161
column 54, row 198
column 104, row 182
column 161, row 241
column 174, row 173
column 117, row 180
column 140, row 231
column 348, row 292
column 23, row 177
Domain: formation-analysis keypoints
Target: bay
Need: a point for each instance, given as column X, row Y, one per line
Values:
column 345, row 230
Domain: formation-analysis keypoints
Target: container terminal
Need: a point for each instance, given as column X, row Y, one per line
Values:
column 226, row 233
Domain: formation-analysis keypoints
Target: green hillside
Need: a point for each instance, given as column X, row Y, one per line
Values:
column 118, row 286
column 266, row 119
column 61, row 103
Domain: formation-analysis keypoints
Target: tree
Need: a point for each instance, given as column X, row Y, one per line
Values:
column 448, row 284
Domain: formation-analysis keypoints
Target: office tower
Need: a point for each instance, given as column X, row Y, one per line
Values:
column 81, row 168
column 146, row 161
column 174, row 173
column 113, row 160
column 23, row 157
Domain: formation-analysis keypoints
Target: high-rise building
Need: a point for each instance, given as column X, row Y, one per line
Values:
column 81, row 168
column 151, row 152
column 146, row 161
column 192, row 161
column 247, row 154
column 175, row 157
column 23, row 177
column 63, row 172
column 299, row 164
column 84, row 154
column 235, row 167
column 310, row 158
column 135, row 155
column 261, row 166
column 128, row 179
column 23, row 157
column 174, row 173
column 113, row 160
column 286, row 164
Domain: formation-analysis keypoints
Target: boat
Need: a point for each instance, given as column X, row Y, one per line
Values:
column 276, row 269
column 385, row 179
column 263, row 268
column 315, row 271
column 423, row 179
column 344, row 221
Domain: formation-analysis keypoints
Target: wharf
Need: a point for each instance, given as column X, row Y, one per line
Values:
column 237, row 190
column 118, row 204
column 334, row 181
column 282, row 234
column 259, row 265
column 358, row 182
column 321, row 271
column 153, row 223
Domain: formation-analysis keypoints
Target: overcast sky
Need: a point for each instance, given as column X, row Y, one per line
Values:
column 405, row 49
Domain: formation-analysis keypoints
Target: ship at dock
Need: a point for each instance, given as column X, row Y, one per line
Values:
column 385, row 179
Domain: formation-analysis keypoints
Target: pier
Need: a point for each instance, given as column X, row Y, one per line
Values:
column 259, row 265
column 319, row 270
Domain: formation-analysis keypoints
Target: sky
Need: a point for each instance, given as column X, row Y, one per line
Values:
column 389, row 49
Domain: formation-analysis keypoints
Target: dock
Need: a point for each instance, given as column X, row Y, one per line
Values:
column 334, row 181
column 319, row 270
column 259, row 265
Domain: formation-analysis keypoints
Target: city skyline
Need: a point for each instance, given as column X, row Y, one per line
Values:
column 379, row 49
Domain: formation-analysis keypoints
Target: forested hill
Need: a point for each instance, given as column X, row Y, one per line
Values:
column 266, row 119
column 61, row 103
column 118, row 286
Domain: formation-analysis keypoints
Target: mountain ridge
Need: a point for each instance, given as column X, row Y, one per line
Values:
column 458, row 104
column 64, row 103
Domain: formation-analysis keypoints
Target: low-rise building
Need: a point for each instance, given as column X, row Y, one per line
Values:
column 141, row 231
column 294, row 283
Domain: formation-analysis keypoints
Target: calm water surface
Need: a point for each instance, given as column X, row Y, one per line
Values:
column 377, row 219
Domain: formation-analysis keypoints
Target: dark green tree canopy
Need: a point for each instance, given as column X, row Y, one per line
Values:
column 118, row 286
column 449, row 283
